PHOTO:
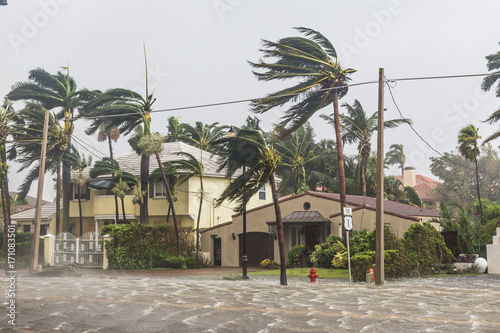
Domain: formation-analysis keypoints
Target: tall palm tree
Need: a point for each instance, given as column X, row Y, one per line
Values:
column 122, row 181
column 489, row 81
column 248, row 149
column 298, row 152
column 9, row 122
column 194, row 168
column 56, row 92
column 205, row 136
column 78, row 163
column 467, row 146
column 322, row 81
column 358, row 128
column 396, row 155
column 110, row 135
column 176, row 131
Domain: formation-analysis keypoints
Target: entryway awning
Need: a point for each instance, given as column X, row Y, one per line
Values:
column 303, row 217
column 102, row 184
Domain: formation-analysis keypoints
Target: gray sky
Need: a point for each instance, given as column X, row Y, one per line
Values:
column 197, row 53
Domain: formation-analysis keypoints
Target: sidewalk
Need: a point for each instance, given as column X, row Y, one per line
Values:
column 166, row 272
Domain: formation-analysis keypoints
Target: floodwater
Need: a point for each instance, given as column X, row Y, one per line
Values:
column 96, row 303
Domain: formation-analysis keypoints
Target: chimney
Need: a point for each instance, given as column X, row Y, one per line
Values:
column 410, row 176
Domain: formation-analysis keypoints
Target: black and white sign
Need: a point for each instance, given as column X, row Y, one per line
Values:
column 348, row 222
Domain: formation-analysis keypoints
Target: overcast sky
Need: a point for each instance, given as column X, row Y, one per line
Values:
column 198, row 51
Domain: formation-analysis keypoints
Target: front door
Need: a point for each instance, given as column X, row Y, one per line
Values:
column 217, row 251
column 312, row 236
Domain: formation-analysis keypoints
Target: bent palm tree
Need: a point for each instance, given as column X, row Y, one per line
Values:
column 488, row 82
column 396, row 155
column 248, row 149
column 322, row 81
column 55, row 92
column 467, row 146
column 358, row 128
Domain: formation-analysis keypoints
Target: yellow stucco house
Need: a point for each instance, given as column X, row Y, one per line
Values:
column 308, row 218
column 98, row 206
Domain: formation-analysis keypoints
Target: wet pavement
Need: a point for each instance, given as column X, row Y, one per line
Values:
column 209, row 303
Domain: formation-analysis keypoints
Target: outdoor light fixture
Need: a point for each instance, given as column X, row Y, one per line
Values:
column 231, row 133
column 3, row 3
column 234, row 236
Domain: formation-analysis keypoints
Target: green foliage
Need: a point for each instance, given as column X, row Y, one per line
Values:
column 299, row 256
column 394, row 264
column 136, row 246
column 269, row 264
column 179, row 261
column 23, row 249
column 424, row 246
column 323, row 254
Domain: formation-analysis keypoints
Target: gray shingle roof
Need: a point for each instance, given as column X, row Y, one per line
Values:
column 48, row 211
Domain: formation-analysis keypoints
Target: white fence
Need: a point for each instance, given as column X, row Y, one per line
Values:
column 86, row 251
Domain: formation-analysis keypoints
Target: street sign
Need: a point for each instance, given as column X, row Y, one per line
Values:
column 348, row 222
column 347, row 211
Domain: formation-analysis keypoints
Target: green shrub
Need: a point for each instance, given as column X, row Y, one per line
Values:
column 323, row 254
column 394, row 264
column 361, row 263
column 136, row 246
column 179, row 261
column 299, row 256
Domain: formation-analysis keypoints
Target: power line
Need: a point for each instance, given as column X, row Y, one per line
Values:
column 82, row 143
column 442, row 77
column 416, row 132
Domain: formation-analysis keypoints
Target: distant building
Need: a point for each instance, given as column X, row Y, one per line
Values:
column 423, row 185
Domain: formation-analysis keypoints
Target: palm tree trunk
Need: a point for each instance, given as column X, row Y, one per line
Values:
column 6, row 208
column 80, row 209
column 117, row 214
column 363, row 180
column 144, row 214
column 340, row 156
column 58, row 198
column 169, row 194
column 198, row 226
column 281, row 234
column 477, row 185
column 123, row 210
column 66, row 182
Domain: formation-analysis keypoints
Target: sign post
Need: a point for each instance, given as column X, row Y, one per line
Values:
column 348, row 228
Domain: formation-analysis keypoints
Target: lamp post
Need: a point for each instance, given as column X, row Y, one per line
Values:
column 231, row 134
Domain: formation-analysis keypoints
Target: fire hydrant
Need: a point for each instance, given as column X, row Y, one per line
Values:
column 313, row 275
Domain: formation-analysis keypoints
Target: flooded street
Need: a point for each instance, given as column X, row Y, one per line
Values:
column 94, row 303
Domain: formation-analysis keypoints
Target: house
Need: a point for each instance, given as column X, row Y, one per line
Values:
column 423, row 185
column 25, row 219
column 308, row 218
column 98, row 206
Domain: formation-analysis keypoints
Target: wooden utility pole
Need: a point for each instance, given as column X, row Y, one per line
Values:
column 379, row 235
column 39, row 194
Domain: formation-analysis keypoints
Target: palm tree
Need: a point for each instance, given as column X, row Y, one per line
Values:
column 122, row 181
column 322, row 81
column 78, row 163
column 248, row 149
column 153, row 144
column 55, row 92
column 176, row 130
column 488, row 82
column 110, row 135
column 467, row 146
column 299, row 152
column 193, row 168
column 9, row 121
column 28, row 148
column 358, row 128
column 396, row 155
column 205, row 136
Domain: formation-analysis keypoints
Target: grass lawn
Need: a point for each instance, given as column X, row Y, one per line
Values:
column 323, row 273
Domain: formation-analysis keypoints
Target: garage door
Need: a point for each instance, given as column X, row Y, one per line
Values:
column 260, row 246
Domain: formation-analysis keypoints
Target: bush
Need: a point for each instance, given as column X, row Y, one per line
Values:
column 269, row 264
column 23, row 249
column 394, row 264
column 136, row 246
column 177, row 261
column 323, row 254
column 299, row 256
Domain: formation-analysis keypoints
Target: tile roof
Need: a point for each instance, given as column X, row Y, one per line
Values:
column 132, row 162
column 424, row 186
column 48, row 211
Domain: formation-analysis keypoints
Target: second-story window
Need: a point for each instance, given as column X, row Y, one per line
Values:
column 262, row 192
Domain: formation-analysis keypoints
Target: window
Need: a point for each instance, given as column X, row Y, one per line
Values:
column 26, row 227
column 262, row 192
column 160, row 190
column 83, row 192
column 294, row 236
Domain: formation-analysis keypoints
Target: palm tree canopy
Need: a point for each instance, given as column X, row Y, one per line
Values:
column 247, row 149
column 395, row 155
column 176, row 131
column 205, row 136
column 313, row 61
column 189, row 166
column 467, row 142
column 492, row 65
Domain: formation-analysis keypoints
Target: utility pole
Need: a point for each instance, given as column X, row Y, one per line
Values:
column 39, row 194
column 379, row 234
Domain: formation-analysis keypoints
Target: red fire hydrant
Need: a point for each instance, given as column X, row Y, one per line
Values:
column 313, row 275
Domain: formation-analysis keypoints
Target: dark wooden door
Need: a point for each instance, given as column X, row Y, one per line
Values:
column 217, row 251
column 260, row 246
